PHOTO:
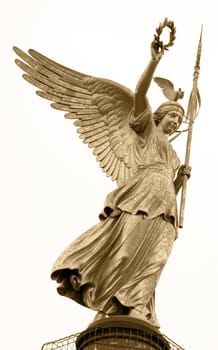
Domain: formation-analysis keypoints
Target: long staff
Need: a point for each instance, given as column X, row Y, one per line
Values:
column 192, row 112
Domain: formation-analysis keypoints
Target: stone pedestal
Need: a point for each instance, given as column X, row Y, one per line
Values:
column 120, row 333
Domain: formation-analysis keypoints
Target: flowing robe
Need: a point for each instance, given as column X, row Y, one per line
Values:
column 114, row 267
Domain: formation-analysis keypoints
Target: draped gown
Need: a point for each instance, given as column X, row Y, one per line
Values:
column 114, row 267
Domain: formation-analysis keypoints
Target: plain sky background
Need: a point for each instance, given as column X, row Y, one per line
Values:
column 52, row 189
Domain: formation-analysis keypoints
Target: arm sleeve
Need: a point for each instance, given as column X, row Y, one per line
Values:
column 139, row 122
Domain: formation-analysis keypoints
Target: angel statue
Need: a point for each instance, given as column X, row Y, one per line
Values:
column 114, row 267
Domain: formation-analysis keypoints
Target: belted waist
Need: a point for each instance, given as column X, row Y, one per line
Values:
column 157, row 168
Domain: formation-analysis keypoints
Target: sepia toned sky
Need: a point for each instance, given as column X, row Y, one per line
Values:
column 52, row 189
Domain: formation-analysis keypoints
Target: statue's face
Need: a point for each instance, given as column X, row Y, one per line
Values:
column 170, row 122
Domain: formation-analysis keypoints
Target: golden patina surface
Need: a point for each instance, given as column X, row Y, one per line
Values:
column 115, row 266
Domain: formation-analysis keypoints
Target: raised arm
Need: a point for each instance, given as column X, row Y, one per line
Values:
column 141, row 113
column 141, row 102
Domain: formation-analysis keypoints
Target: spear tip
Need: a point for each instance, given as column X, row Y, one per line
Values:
column 201, row 32
column 198, row 56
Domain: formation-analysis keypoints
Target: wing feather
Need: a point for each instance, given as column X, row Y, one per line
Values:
column 57, row 97
column 112, row 167
column 93, row 132
column 116, row 170
column 100, row 148
column 98, row 136
column 92, row 129
column 167, row 87
column 107, row 167
column 163, row 82
column 56, row 66
column 42, row 75
column 96, row 143
column 82, row 114
column 65, row 106
column 94, row 123
column 100, row 156
column 106, row 159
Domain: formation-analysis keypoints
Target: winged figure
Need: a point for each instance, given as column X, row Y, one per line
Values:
column 114, row 267
column 168, row 89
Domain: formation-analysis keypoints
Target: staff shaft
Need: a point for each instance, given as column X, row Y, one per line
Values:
column 185, row 178
column 191, row 115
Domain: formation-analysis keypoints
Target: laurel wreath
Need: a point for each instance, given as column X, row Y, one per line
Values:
column 172, row 35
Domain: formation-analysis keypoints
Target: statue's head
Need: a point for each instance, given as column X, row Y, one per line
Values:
column 166, row 107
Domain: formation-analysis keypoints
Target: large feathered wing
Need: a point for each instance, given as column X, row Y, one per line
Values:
column 100, row 107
